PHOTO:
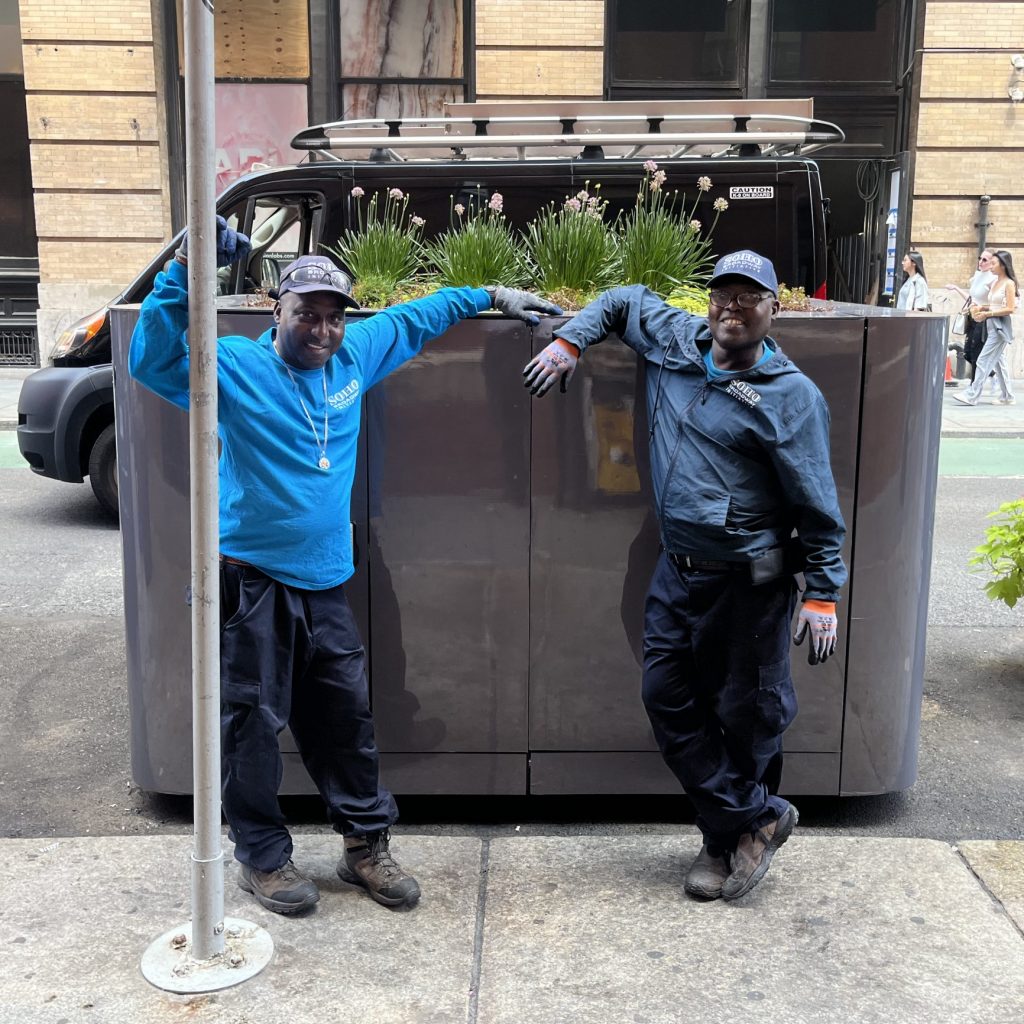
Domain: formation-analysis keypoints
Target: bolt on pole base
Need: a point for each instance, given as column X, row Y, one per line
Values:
column 168, row 963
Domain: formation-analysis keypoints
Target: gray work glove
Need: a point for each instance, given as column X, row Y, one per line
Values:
column 521, row 305
column 820, row 618
column 231, row 245
column 555, row 363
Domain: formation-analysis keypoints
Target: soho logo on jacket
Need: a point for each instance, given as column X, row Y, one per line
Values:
column 345, row 397
column 743, row 392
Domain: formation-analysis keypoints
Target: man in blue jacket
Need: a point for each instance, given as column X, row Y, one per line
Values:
column 289, row 406
column 739, row 460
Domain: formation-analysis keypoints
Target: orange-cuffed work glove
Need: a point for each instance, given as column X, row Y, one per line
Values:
column 557, row 363
column 820, row 618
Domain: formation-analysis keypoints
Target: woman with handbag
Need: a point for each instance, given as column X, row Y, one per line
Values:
column 914, row 293
column 975, row 295
column 995, row 314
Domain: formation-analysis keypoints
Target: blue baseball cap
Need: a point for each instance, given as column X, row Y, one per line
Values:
column 749, row 264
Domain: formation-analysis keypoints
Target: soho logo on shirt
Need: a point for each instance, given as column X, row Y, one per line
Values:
column 345, row 397
column 743, row 392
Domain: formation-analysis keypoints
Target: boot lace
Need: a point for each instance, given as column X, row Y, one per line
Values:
column 380, row 853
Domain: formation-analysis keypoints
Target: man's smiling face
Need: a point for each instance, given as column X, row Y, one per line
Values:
column 738, row 331
column 310, row 328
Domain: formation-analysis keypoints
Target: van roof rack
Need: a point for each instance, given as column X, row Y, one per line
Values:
column 670, row 129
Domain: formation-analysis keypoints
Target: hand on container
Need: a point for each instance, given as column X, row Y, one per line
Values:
column 521, row 305
column 818, row 617
column 557, row 362
column 231, row 245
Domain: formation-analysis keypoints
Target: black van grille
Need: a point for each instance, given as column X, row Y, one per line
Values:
column 19, row 346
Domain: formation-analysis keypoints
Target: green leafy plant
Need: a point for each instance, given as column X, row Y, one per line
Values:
column 384, row 251
column 573, row 250
column 479, row 249
column 660, row 244
column 690, row 298
column 1002, row 554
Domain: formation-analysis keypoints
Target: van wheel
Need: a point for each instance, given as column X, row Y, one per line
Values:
column 103, row 470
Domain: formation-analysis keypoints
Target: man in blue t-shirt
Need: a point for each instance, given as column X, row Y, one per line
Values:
column 289, row 409
column 739, row 442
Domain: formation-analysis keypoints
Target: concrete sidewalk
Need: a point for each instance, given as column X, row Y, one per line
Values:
column 538, row 930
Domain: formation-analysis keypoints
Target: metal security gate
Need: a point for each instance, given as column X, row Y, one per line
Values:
column 19, row 345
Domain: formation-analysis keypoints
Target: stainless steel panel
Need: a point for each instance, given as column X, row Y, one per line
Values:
column 153, row 484
column 900, row 429
column 569, row 774
column 595, row 543
column 448, row 468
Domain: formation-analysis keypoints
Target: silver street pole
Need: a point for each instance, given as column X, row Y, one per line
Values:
column 196, row 959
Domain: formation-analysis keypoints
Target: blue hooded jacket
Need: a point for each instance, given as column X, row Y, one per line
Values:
column 736, row 464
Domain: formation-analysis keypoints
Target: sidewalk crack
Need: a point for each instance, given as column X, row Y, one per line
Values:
column 478, row 934
column 991, row 895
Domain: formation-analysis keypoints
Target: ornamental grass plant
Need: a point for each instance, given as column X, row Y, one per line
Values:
column 661, row 245
column 384, row 251
column 573, row 250
column 480, row 248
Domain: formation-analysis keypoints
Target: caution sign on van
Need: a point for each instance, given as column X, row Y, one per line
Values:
column 752, row 192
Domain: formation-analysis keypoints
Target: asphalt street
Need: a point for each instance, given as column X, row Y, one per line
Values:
column 64, row 745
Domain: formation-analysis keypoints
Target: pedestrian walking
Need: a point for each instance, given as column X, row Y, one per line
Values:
column 995, row 314
column 289, row 416
column 739, row 454
column 976, row 294
column 914, row 292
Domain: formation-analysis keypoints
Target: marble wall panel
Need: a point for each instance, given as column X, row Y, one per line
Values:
column 401, row 39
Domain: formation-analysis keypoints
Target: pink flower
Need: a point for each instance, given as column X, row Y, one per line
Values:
column 357, row 193
column 460, row 209
column 650, row 166
column 657, row 180
column 583, row 195
column 417, row 222
column 573, row 204
column 720, row 205
column 704, row 183
column 497, row 201
column 695, row 225
column 396, row 193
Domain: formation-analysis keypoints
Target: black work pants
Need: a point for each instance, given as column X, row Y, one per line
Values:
column 293, row 657
column 718, row 691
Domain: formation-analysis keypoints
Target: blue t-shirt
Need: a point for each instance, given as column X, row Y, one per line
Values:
column 714, row 373
column 279, row 510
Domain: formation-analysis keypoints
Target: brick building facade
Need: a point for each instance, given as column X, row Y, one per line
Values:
column 103, row 99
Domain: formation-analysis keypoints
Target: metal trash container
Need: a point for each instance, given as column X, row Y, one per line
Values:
column 487, row 525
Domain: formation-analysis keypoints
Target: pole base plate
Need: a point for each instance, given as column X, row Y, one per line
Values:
column 168, row 963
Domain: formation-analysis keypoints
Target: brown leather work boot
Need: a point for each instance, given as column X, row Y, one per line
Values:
column 284, row 891
column 368, row 862
column 754, row 853
column 707, row 874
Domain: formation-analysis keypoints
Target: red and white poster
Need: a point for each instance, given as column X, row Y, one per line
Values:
column 255, row 126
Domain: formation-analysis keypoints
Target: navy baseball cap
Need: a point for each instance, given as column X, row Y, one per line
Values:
column 315, row 274
column 749, row 264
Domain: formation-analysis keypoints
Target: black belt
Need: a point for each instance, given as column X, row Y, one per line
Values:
column 683, row 562
column 235, row 561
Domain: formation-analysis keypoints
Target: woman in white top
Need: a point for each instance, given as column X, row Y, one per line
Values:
column 977, row 295
column 995, row 313
column 914, row 293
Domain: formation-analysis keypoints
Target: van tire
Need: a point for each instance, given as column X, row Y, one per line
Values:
column 103, row 470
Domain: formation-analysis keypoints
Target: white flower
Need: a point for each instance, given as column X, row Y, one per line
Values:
column 573, row 204
column 650, row 166
column 657, row 180
column 357, row 193
column 417, row 222
column 460, row 209
column 695, row 225
column 583, row 195
column 720, row 205
column 396, row 193
column 496, row 202
column 704, row 183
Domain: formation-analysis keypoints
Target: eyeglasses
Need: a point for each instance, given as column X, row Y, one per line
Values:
column 745, row 300
column 312, row 273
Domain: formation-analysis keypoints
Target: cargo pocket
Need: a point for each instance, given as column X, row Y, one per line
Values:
column 242, row 635
column 776, row 701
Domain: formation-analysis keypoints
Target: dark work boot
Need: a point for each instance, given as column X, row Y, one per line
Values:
column 284, row 891
column 368, row 862
column 754, row 853
column 707, row 873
